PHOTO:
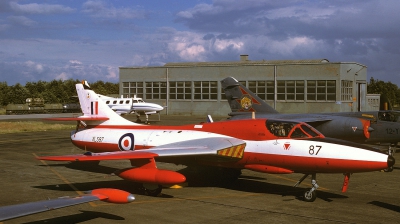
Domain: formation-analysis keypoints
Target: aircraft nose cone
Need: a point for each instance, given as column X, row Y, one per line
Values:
column 390, row 161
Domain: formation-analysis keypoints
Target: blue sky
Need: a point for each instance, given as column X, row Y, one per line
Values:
column 54, row 39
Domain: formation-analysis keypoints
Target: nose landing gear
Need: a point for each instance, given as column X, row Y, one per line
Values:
column 309, row 195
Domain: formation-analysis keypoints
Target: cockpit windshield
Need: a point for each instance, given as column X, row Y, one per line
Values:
column 290, row 129
column 389, row 116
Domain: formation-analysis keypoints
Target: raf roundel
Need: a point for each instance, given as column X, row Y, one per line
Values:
column 126, row 142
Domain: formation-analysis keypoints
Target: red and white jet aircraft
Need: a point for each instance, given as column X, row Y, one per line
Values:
column 264, row 145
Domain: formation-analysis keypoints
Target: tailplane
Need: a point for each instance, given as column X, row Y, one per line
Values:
column 242, row 100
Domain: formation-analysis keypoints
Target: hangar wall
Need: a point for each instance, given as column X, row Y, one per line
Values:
column 290, row 86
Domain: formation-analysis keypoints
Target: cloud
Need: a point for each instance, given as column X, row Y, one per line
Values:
column 68, row 39
column 62, row 76
column 102, row 10
column 22, row 20
column 34, row 8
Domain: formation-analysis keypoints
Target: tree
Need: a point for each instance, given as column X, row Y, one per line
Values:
column 18, row 94
column 386, row 89
column 4, row 89
column 56, row 91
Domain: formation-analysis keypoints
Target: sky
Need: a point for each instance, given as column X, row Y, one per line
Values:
column 70, row 39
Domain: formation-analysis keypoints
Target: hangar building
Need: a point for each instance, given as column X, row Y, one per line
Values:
column 290, row 86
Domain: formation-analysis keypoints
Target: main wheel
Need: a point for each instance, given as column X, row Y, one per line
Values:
column 310, row 196
column 152, row 190
column 389, row 169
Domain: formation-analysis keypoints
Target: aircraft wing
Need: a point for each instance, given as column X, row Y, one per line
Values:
column 217, row 146
column 78, row 118
column 104, row 194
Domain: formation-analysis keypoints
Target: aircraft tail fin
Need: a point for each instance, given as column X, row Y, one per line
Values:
column 242, row 100
column 94, row 110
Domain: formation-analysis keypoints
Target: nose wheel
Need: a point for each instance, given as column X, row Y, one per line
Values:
column 309, row 195
column 391, row 152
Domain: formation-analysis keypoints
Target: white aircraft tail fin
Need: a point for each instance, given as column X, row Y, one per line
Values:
column 94, row 110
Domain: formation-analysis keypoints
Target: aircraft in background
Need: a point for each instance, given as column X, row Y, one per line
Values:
column 363, row 127
column 131, row 105
column 263, row 145
column 103, row 194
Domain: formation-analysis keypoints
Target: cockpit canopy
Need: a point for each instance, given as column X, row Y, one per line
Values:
column 392, row 116
column 291, row 129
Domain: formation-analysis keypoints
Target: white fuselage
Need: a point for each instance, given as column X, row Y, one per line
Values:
column 131, row 105
column 295, row 154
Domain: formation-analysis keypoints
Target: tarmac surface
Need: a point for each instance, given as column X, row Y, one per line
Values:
column 254, row 198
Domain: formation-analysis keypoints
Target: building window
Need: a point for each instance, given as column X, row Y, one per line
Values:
column 205, row 90
column 156, row 90
column 321, row 90
column 290, row 90
column 263, row 89
column 347, row 90
column 130, row 89
column 180, row 90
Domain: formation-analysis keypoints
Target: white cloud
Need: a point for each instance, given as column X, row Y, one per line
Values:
column 200, row 8
column 62, row 76
column 35, row 67
column 22, row 20
column 113, row 73
column 221, row 45
column 75, row 63
column 4, row 27
column 102, row 10
column 34, row 8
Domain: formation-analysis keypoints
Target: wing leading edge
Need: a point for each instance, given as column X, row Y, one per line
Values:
column 217, row 146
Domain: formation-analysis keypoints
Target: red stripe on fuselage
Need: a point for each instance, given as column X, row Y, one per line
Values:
column 314, row 164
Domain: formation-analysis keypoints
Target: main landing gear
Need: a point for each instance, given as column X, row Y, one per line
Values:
column 310, row 195
column 391, row 152
column 152, row 189
column 139, row 121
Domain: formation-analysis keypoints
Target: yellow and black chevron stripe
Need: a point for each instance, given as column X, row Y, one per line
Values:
column 236, row 151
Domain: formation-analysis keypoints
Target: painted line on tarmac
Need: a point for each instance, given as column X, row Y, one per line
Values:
column 188, row 198
column 80, row 193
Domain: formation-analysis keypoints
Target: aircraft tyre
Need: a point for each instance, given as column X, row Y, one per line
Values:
column 389, row 169
column 310, row 196
column 152, row 189
column 391, row 152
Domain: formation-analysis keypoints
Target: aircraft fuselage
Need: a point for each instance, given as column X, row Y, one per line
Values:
column 263, row 148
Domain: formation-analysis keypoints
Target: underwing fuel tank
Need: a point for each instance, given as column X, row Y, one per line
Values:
column 346, row 128
column 153, row 176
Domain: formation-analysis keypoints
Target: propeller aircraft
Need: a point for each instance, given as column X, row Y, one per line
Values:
column 134, row 105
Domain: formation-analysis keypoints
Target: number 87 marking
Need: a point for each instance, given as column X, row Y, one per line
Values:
column 312, row 149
